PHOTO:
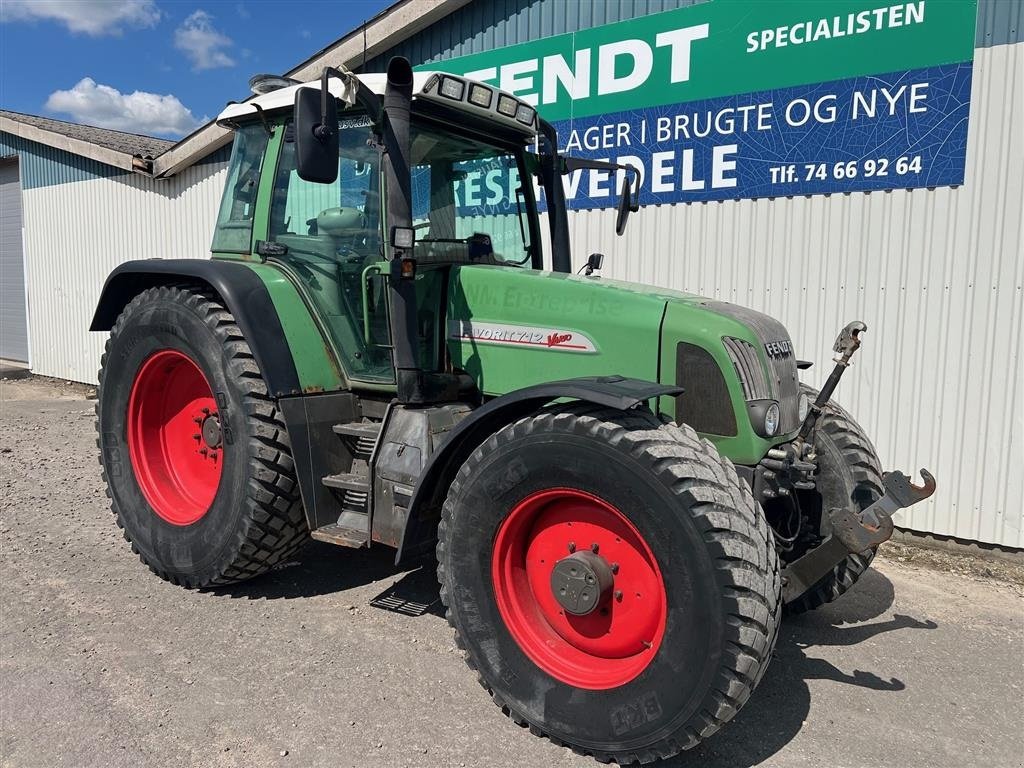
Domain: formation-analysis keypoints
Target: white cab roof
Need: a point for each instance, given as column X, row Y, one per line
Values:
column 376, row 82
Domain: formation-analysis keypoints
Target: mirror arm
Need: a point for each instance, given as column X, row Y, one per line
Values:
column 570, row 164
column 263, row 119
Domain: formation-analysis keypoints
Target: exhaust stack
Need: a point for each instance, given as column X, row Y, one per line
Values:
column 398, row 175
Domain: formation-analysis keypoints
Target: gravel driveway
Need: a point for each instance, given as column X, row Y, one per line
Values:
column 337, row 659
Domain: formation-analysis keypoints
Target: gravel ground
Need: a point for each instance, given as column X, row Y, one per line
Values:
column 337, row 659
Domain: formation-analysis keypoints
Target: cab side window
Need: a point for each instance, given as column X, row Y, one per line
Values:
column 233, row 233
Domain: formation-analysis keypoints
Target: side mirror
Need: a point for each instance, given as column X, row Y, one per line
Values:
column 316, row 135
column 594, row 263
column 628, row 203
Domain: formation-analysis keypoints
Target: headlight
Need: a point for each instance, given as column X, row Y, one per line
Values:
column 771, row 420
column 525, row 114
column 507, row 105
column 804, row 407
column 452, row 88
column 480, row 95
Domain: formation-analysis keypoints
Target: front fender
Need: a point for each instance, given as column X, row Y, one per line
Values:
column 442, row 466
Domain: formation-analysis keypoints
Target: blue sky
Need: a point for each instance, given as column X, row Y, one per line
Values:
column 160, row 67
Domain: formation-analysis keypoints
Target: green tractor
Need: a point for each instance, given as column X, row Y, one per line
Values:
column 623, row 485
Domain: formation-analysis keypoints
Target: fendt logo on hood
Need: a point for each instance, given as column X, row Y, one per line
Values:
column 520, row 336
column 779, row 350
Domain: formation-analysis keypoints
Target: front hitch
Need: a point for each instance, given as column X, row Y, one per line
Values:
column 846, row 344
column 855, row 532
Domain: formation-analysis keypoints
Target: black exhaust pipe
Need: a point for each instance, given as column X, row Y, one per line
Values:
column 551, row 178
column 398, row 177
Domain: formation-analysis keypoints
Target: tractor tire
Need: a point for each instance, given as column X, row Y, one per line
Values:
column 670, row 648
column 849, row 472
column 194, row 452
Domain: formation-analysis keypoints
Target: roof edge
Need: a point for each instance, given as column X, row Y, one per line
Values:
column 105, row 155
column 385, row 30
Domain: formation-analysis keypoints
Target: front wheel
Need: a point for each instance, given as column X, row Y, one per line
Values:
column 611, row 579
column 194, row 453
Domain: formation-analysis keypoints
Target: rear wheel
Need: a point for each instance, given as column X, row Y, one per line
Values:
column 194, row 453
column 849, row 475
column 611, row 580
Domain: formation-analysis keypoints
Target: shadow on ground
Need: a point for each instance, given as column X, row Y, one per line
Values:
column 777, row 710
column 318, row 569
column 769, row 721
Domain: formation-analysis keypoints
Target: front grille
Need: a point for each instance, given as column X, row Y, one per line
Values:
column 748, row 368
column 783, row 383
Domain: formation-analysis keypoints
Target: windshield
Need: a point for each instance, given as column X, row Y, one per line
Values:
column 469, row 204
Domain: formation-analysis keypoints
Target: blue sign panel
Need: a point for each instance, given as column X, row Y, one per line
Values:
column 899, row 130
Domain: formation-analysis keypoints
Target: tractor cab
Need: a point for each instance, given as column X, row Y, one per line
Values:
column 471, row 200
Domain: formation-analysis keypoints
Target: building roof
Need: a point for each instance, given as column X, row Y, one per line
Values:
column 129, row 143
column 128, row 151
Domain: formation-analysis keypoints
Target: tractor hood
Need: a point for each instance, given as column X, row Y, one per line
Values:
column 510, row 328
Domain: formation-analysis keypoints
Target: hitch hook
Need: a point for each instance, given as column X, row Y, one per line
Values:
column 846, row 344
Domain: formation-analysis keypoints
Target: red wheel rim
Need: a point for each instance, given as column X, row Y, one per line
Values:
column 174, row 437
column 613, row 643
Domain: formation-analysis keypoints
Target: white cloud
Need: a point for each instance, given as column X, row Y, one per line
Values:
column 138, row 112
column 201, row 43
column 90, row 17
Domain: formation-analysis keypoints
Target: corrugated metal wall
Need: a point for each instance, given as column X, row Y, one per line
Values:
column 82, row 221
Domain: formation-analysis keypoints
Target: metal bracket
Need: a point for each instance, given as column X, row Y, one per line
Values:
column 855, row 532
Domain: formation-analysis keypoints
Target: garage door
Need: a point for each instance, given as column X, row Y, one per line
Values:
column 13, row 314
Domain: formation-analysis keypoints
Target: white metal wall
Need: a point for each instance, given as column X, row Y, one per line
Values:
column 76, row 233
column 936, row 275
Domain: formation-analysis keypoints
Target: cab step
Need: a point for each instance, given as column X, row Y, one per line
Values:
column 347, row 481
column 341, row 535
column 361, row 436
column 358, row 429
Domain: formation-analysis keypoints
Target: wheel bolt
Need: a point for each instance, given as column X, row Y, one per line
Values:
column 618, row 594
column 615, row 567
column 572, row 547
column 594, row 547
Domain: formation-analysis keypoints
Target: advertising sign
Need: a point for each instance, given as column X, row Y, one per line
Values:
column 736, row 99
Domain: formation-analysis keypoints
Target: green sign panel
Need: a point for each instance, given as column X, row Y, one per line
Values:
column 723, row 47
column 752, row 98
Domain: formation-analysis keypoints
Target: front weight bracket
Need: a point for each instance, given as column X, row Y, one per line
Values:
column 855, row 532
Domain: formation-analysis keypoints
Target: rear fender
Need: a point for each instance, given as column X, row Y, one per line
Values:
column 241, row 289
column 443, row 465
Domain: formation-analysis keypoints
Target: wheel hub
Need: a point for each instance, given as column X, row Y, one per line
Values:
column 581, row 582
column 211, row 431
